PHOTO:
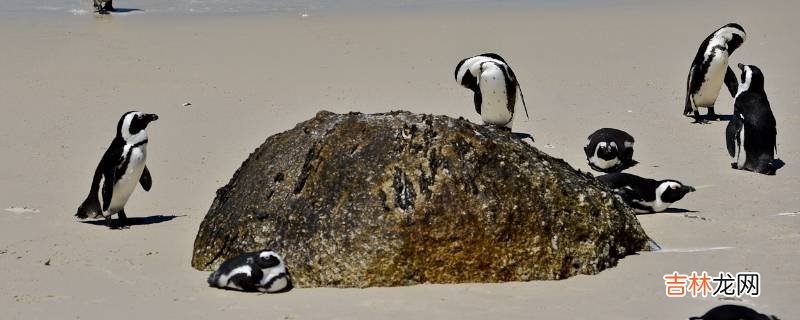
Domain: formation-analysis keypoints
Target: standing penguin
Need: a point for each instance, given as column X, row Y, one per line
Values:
column 609, row 150
column 495, row 87
column 645, row 195
column 751, row 134
column 262, row 271
column 710, row 68
column 120, row 169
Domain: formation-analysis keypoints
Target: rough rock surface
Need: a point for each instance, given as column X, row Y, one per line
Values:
column 390, row 199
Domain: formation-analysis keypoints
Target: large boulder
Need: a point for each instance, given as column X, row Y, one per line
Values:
column 356, row 200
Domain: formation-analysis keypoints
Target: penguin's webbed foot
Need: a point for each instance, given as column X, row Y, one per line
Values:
column 110, row 223
column 698, row 118
column 711, row 115
column 123, row 220
column 734, row 165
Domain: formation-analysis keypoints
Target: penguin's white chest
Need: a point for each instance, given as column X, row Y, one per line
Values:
column 712, row 81
column 494, row 98
column 130, row 178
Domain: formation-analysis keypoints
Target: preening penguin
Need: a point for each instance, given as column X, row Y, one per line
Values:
column 609, row 150
column 710, row 68
column 494, row 85
column 733, row 312
column 751, row 134
column 645, row 195
column 120, row 169
column 262, row 271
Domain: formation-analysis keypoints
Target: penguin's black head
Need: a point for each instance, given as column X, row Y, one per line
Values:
column 731, row 311
column 670, row 191
column 607, row 151
column 133, row 122
column 752, row 79
column 268, row 259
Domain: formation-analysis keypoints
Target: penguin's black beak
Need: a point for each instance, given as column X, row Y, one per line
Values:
column 150, row 117
column 741, row 66
column 688, row 189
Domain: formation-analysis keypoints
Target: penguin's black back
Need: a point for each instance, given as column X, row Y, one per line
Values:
column 733, row 312
column 642, row 188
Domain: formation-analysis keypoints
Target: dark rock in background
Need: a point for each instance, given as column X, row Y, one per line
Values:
column 392, row 199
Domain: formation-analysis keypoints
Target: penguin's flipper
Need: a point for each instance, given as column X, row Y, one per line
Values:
column 629, row 195
column 478, row 100
column 145, row 180
column 110, row 177
column 734, row 126
column 731, row 82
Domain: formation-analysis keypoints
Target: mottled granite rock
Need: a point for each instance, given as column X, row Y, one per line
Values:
column 390, row 199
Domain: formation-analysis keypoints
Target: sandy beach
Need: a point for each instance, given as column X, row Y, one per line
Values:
column 66, row 80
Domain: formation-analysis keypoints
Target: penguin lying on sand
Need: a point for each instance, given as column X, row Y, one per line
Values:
column 262, row 271
column 120, row 169
column 609, row 150
column 645, row 195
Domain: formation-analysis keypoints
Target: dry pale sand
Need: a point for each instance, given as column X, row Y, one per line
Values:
column 65, row 81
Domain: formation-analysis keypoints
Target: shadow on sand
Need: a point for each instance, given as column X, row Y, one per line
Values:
column 137, row 221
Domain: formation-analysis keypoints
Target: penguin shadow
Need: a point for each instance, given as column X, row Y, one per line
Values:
column 125, row 10
column 679, row 210
column 628, row 164
column 725, row 117
column 523, row 136
column 138, row 221
column 778, row 164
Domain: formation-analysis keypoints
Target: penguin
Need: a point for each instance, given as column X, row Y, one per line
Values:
column 733, row 312
column 120, row 169
column 751, row 134
column 645, row 195
column 710, row 68
column 262, row 271
column 609, row 150
column 103, row 6
column 495, row 88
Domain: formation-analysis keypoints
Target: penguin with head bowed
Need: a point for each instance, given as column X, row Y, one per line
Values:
column 710, row 69
column 751, row 134
column 121, row 168
column 645, row 195
column 609, row 150
column 733, row 312
column 262, row 271
column 494, row 86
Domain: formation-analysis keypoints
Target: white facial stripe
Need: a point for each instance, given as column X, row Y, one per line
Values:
column 728, row 32
column 126, row 132
column 628, row 144
column 658, row 205
column 748, row 76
